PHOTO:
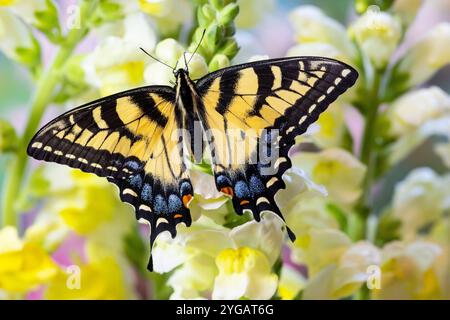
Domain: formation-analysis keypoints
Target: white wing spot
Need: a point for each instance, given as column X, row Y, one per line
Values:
column 302, row 119
column 311, row 109
column 345, row 72
column 261, row 200
column 290, row 130
column 145, row 208
column 337, row 81
column 111, row 168
column 48, row 148
column 321, row 98
column 58, row 153
column 96, row 165
column 82, row 160
column 36, row 145
column 279, row 161
column 70, row 156
column 271, row 182
column 130, row 192
column 161, row 220
column 330, row 89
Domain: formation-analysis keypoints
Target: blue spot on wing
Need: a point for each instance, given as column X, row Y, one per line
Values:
column 136, row 181
column 256, row 185
column 241, row 190
column 160, row 205
column 174, row 203
column 146, row 193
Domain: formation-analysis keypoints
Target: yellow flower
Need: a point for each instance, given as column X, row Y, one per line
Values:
column 417, row 270
column 23, row 266
column 428, row 55
column 102, row 279
column 117, row 63
column 195, row 251
column 244, row 272
column 336, row 169
column 377, row 33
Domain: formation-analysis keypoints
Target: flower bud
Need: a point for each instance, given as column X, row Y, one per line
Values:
column 169, row 50
column 377, row 33
column 196, row 65
column 219, row 61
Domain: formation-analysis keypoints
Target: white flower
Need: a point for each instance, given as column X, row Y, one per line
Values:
column 196, row 65
column 336, row 169
column 420, row 199
column 291, row 282
column 312, row 25
column 415, row 108
column 345, row 276
column 427, row 56
column 253, row 11
column 202, row 251
column 443, row 150
column 117, row 63
column 434, row 127
column 317, row 49
column 172, row 53
column 417, row 270
column 407, row 9
column 15, row 36
column 377, row 33
column 168, row 14
column 25, row 9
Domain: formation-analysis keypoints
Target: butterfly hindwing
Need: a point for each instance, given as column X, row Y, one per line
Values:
column 264, row 106
column 128, row 138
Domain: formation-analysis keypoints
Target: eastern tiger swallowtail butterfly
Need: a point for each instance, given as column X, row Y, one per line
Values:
column 128, row 137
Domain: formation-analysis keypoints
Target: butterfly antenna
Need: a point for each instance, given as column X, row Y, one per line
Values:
column 173, row 69
column 185, row 62
column 198, row 45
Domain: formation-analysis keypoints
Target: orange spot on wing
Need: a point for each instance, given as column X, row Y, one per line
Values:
column 178, row 216
column 228, row 191
column 186, row 199
column 243, row 202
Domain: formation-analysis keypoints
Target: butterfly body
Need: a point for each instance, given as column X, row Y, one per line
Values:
column 143, row 139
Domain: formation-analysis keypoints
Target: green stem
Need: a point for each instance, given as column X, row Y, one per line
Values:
column 44, row 92
column 367, row 155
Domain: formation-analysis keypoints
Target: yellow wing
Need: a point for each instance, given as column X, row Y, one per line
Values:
column 130, row 138
column 254, row 111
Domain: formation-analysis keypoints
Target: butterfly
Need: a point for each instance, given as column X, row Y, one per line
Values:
column 132, row 138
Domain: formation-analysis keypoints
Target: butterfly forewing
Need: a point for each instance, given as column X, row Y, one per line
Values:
column 267, row 104
column 128, row 138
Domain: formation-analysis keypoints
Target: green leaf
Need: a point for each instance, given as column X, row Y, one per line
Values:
column 8, row 137
column 340, row 215
column 47, row 21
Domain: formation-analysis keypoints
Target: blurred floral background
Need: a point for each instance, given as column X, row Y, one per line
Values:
column 368, row 196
